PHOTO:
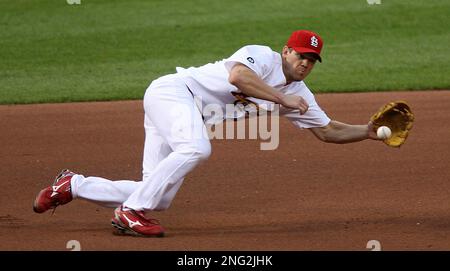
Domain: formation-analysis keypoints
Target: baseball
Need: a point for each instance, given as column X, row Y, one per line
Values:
column 383, row 132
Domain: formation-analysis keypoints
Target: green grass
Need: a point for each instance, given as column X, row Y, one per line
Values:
column 109, row 49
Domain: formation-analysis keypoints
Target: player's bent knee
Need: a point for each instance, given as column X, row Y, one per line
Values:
column 197, row 152
column 203, row 152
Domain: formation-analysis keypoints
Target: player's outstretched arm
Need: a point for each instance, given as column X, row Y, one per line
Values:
column 341, row 133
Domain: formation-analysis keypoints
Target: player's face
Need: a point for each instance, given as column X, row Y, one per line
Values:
column 296, row 66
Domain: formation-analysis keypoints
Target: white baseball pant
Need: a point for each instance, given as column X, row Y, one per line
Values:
column 175, row 142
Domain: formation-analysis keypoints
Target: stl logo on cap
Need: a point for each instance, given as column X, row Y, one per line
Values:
column 314, row 41
column 305, row 41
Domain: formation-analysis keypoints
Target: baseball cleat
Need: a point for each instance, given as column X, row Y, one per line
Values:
column 131, row 222
column 57, row 194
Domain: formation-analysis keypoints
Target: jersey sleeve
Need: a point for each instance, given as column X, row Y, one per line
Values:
column 258, row 58
column 314, row 117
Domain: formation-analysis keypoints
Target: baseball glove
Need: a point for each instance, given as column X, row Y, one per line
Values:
column 398, row 117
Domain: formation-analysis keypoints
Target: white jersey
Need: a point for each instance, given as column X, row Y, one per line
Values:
column 210, row 83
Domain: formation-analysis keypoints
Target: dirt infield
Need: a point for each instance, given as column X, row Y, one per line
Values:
column 306, row 195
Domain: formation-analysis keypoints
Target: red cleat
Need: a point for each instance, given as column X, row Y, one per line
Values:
column 58, row 194
column 131, row 222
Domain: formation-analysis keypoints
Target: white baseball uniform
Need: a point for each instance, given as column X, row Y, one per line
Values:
column 175, row 133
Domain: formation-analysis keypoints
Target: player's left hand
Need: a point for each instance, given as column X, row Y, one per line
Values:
column 398, row 117
column 372, row 134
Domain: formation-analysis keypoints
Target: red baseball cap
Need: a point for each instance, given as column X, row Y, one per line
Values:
column 304, row 41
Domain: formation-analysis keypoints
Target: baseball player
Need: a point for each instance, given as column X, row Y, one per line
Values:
column 173, row 119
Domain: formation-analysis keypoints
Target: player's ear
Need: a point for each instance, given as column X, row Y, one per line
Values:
column 285, row 50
